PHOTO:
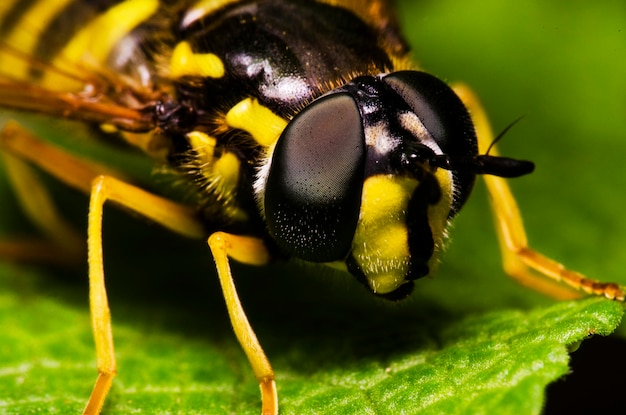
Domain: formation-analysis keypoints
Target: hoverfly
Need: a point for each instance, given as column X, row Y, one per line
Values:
column 302, row 128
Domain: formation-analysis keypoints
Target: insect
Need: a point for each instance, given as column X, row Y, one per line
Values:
column 328, row 146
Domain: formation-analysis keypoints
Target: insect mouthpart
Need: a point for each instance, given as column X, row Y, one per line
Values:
column 174, row 118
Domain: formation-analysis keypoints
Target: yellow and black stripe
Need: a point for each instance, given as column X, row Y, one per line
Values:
column 72, row 37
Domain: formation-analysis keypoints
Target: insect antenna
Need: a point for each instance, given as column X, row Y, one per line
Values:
column 502, row 133
column 485, row 163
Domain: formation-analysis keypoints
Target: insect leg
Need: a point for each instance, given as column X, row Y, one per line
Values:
column 63, row 244
column 250, row 251
column 519, row 260
column 172, row 215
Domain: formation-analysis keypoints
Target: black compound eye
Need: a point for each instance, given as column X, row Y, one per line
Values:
column 313, row 190
column 438, row 107
column 417, row 90
column 445, row 117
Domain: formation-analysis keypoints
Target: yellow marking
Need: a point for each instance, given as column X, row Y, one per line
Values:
column 380, row 244
column 262, row 124
column 185, row 62
column 25, row 35
column 91, row 46
column 109, row 128
column 226, row 171
column 438, row 213
column 203, row 8
column 220, row 174
column 153, row 144
column 203, row 144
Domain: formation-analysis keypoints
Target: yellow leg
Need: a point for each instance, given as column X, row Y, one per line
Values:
column 65, row 245
column 71, row 170
column 521, row 262
column 20, row 149
column 250, row 251
column 165, row 212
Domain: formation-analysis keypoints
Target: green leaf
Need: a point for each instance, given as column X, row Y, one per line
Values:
column 468, row 341
column 391, row 363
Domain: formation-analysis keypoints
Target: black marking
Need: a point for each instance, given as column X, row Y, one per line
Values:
column 420, row 239
column 174, row 118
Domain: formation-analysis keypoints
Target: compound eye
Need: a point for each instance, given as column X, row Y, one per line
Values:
column 313, row 190
column 418, row 89
column 446, row 119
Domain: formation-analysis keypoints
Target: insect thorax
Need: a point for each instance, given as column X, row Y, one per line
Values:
column 246, row 70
